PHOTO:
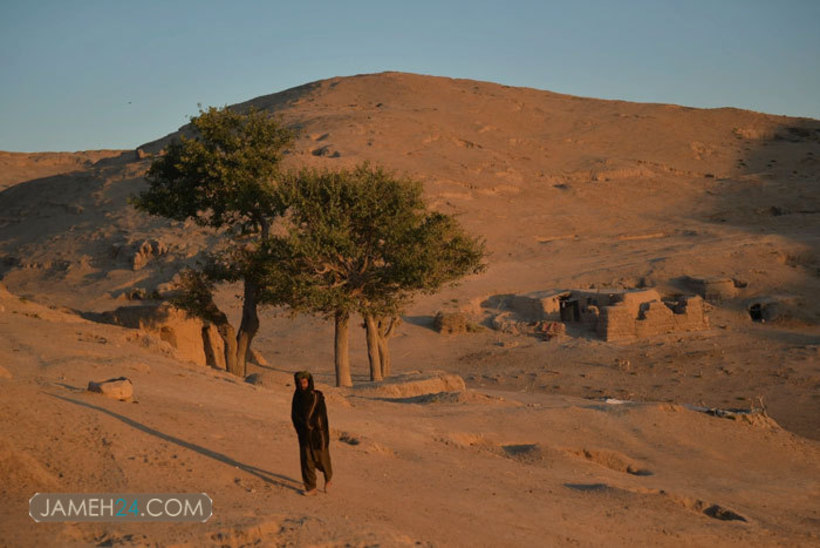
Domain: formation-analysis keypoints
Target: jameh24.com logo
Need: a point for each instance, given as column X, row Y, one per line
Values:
column 120, row 507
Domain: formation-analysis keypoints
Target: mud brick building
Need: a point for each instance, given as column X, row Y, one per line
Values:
column 615, row 315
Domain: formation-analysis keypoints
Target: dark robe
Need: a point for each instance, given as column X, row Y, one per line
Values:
column 309, row 415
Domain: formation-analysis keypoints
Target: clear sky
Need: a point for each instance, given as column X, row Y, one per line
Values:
column 90, row 74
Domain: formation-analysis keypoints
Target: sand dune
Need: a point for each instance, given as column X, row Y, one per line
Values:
column 569, row 441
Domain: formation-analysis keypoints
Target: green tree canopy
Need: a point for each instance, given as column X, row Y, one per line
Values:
column 362, row 240
column 225, row 175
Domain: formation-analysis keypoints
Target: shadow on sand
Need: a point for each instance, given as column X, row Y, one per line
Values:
column 264, row 475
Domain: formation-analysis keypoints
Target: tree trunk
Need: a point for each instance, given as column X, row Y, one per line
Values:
column 248, row 327
column 228, row 334
column 373, row 355
column 341, row 349
column 384, row 355
column 386, row 326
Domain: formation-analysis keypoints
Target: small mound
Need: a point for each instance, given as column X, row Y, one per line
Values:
column 612, row 460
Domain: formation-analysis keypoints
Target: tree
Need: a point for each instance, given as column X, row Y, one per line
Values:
column 434, row 251
column 225, row 176
column 363, row 241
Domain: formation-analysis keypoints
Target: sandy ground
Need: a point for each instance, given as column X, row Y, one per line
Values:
column 570, row 193
column 472, row 468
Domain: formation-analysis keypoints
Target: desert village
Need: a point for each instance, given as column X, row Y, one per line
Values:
column 640, row 363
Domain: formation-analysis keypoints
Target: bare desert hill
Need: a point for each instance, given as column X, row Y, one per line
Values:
column 16, row 167
column 571, row 194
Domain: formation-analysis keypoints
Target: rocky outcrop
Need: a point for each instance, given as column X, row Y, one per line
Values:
column 193, row 339
column 139, row 254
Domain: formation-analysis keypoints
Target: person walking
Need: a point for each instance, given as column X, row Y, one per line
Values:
column 309, row 415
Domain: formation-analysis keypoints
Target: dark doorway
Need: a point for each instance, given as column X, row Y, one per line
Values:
column 756, row 312
column 570, row 310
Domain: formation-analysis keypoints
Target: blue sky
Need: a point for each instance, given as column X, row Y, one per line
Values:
column 90, row 74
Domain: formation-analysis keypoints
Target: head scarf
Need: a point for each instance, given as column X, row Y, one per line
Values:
column 299, row 375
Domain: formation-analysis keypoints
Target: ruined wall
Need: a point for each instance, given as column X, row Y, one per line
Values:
column 527, row 307
column 634, row 299
column 538, row 306
column 551, row 306
column 690, row 314
column 616, row 323
column 620, row 323
column 654, row 318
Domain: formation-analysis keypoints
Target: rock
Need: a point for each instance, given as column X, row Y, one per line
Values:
column 139, row 254
column 5, row 373
column 120, row 388
column 148, row 250
column 450, row 323
column 256, row 379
